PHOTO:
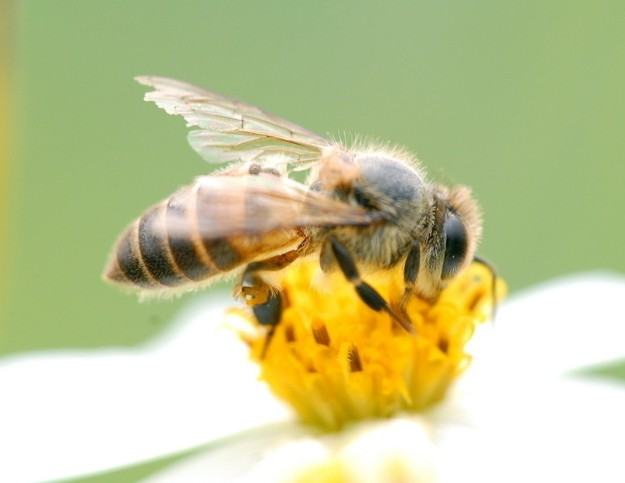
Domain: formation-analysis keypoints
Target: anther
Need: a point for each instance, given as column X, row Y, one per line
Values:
column 320, row 333
column 353, row 357
column 289, row 333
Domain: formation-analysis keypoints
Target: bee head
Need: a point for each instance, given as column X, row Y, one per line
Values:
column 462, row 229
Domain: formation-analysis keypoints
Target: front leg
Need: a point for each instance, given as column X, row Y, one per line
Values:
column 411, row 271
column 366, row 292
column 493, row 284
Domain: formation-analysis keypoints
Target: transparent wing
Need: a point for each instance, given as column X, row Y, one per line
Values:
column 231, row 130
column 255, row 205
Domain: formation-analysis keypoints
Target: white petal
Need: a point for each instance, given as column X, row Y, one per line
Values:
column 366, row 452
column 231, row 461
column 557, row 327
column 400, row 447
column 566, row 430
column 69, row 413
column 569, row 431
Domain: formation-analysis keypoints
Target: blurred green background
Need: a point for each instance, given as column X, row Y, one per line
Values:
column 522, row 101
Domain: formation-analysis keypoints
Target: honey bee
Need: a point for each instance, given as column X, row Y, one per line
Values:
column 362, row 210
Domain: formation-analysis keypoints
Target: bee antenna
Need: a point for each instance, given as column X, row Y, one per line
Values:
column 493, row 287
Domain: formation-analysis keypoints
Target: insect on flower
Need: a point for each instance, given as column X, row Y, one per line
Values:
column 363, row 210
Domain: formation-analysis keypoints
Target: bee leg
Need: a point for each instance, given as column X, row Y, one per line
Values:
column 365, row 291
column 269, row 314
column 254, row 289
column 411, row 271
column 266, row 302
column 493, row 286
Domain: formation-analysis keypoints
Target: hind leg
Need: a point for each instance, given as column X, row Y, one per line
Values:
column 254, row 289
column 265, row 301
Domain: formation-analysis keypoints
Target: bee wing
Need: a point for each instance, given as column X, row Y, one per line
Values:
column 255, row 205
column 231, row 130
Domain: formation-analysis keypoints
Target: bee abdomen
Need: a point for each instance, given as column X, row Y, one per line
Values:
column 163, row 250
column 126, row 266
column 154, row 249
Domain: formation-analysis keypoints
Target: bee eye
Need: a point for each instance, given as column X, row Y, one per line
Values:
column 455, row 245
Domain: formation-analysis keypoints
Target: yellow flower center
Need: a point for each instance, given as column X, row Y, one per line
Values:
column 335, row 360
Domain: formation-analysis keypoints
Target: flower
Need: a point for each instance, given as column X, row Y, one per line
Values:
column 335, row 361
column 519, row 412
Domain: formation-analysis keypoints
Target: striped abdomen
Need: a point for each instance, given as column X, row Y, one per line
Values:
column 164, row 248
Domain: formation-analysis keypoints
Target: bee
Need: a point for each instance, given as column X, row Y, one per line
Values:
column 363, row 210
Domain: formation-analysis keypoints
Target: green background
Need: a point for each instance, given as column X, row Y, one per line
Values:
column 522, row 101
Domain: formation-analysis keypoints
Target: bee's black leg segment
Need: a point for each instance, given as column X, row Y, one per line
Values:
column 345, row 261
column 269, row 314
column 365, row 291
column 268, row 339
column 265, row 301
column 411, row 267
column 493, row 286
column 411, row 270
column 370, row 296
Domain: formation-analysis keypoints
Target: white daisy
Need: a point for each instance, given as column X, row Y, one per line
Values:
column 518, row 413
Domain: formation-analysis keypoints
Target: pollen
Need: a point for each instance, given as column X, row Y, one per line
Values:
column 337, row 361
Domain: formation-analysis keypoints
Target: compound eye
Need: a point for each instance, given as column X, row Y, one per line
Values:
column 456, row 245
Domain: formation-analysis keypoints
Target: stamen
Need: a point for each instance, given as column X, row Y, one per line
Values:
column 289, row 333
column 443, row 345
column 353, row 357
column 320, row 332
column 336, row 360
